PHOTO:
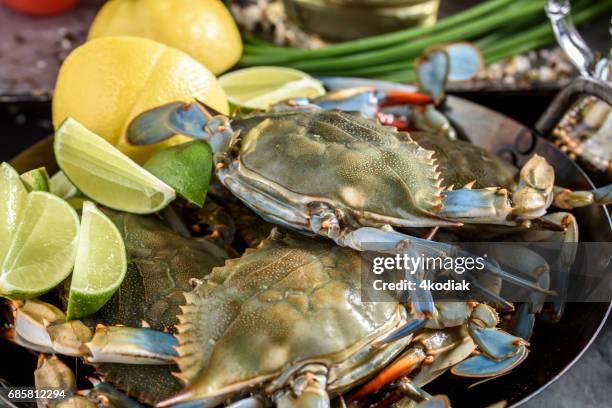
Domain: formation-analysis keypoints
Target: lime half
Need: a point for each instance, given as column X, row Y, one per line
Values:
column 106, row 175
column 260, row 87
column 36, row 180
column 100, row 263
column 12, row 200
column 42, row 251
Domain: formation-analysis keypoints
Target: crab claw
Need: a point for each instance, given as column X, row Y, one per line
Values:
column 165, row 121
column 465, row 61
column 441, row 64
column 481, row 366
column 495, row 343
column 432, row 70
column 196, row 120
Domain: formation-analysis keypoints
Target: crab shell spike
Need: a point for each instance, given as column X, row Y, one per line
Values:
column 482, row 366
column 130, row 345
column 470, row 185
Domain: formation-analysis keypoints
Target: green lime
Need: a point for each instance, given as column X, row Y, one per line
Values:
column 186, row 168
column 42, row 249
column 62, row 187
column 100, row 263
column 260, row 87
column 36, row 180
column 13, row 197
column 106, row 175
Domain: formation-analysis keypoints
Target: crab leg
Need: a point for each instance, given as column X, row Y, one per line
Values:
column 432, row 352
column 53, row 374
column 524, row 320
column 567, row 199
column 42, row 327
column 308, row 390
column 531, row 199
column 428, row 118
column 361, row 237
column 128, row 345
column 404, row 365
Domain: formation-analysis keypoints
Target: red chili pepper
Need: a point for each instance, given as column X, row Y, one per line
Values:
column 405, row 98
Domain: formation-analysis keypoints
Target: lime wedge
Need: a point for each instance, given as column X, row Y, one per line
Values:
column 42, row 251
column 186, row 167
column 12, row 200
column 100, row 263
column 36, row 180
column 260, row 87
column 62, row 187
column 106, row 175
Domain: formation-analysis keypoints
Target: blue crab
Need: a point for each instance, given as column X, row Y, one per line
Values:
column 254, row 326
column 345, row 177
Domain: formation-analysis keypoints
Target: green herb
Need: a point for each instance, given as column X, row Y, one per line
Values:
column 501, row 28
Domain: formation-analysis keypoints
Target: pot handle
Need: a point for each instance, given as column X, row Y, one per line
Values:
column 565, row 99
column 593, row 71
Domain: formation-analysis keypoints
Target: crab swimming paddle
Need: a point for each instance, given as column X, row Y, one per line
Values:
column 42, row 247
column 100, row 263
column 104, row 174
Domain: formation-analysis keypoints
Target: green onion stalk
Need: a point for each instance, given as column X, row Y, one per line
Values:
column 501, row 28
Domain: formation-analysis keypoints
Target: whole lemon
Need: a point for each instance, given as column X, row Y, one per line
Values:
column 203, row 29
column 105, row 83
